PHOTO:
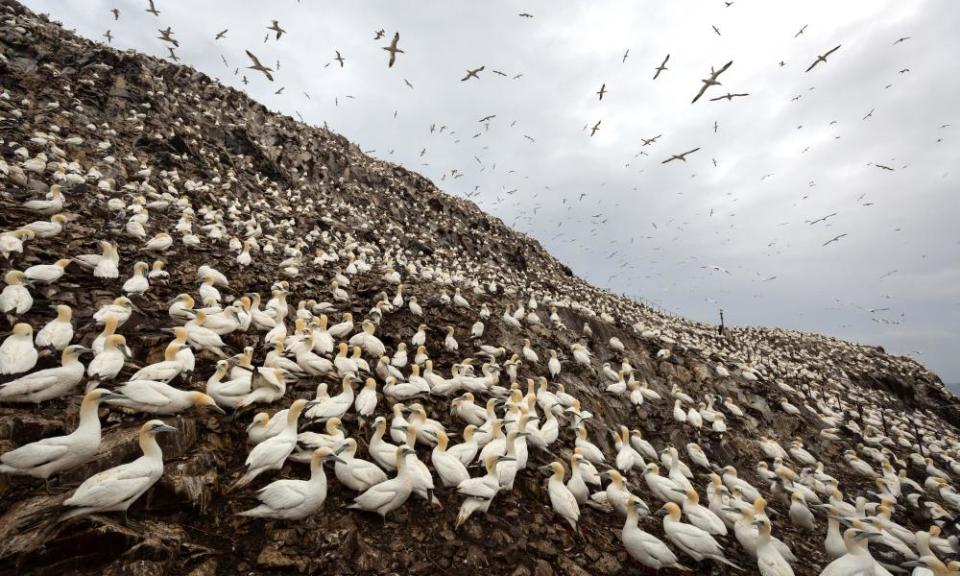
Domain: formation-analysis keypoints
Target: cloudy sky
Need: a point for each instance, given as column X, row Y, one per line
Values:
column 739, row 226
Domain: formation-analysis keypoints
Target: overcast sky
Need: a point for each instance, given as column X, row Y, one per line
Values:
column 795, row 150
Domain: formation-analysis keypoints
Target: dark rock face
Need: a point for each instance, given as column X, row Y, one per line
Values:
column 307, row 189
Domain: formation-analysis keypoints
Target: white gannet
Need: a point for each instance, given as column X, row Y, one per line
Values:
column 354, row 473
column 800, row 515
column 450, row 469
column 365, row 401
column 108, row 363
column 115, row 489
column 769, row 560
column 553, row 365
column 47, row 273
column 466, row 451
column 701, row 516
column 561, row 499
column 382, row 452
column 49, row 383
column 273, row 452
column 693, row 541
column 15, row 298
column 391, row 494
column 12, row 242
column 138, row 283
column 295, row 499
column 57, row 333
column 366, row 340
column 662, row 488
column 49, row 456
column 480, row 491
column 154, row 397
column 168, row 369
column 334, row 406
column 17, row 354
column 590, row 450
column 645, row 548
column 857, row 559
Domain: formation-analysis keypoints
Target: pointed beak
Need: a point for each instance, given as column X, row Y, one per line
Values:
column 219, row 410
column 165, row 428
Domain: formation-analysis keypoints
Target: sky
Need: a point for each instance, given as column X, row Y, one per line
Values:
column 742, row 225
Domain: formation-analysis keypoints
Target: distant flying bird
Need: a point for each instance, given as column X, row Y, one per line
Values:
column 488, row 118
column 393, row 50
column 715, row 29
column 782, row 63
column 823, row 58
column 153, row 9
column 648, row 141
column 595, row 128
column 167, row 36
column 716, row 268
column 116, row 13
column 280, row 91
column 714, row 165
column 472, row 73
column 682, row 157
column 625, row 54
column 221, row 34
column 173, row 55
column 339, row 58
column 526, row 15
column 728, row 4
column 661, row 67
column 904, row 70
column 881, row 166
column 823, row 218
column 275, row 27
column 407, row 82
column 602, row 91
column 901, row 40
column 728, row 96
column 834, row 239
column 712, row 80
column 869, row 114
column 379, row 34
column 259, row 67
column 801, row 31
column 108, row 36
column 499, row 73
column 715, row 126
column 530, row 138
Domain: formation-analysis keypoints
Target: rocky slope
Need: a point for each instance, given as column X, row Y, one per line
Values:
column 118, row 129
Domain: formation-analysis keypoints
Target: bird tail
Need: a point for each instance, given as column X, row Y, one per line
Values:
column 723, row 560
column 243, row 480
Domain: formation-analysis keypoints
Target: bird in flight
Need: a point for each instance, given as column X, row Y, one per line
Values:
column 166, row 36
column 153, row 9
column 716, row 268
column 682, row 157
column 715, row 126
column 221, row 34
column 393, row 50
column 712, row 80
column 881, row 166
column 407, row 82
column 526, row 15
column 823, row 58
column 472, row 73
column 379, row 34
column 108, row 36
column 116, row 13
column 661, row 67
column 173, row 55
column 801, row 31
column 869, row 114
column 488, row 118
column 595, row 128
column 714, row 165
column 715, row 29
column 648, row 141
column 602, row 91
column 499, row 73
column 280, row 90
column 834, row 239
column 339, row 58
column 625, row 54
column 823, row 218
column 728, row 4
column 901, row 40
column 259, row 67
column 276, row 28
column 728, row 96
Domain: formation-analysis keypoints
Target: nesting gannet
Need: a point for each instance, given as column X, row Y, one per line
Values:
column 12, row 242
column 154, row 397
column 47, row 384
column 769, row 560
column 17, row 354
column 295, row 499
column 334, row 406
column 115, row 489
column 701, row 516
column 120, row 309
column 391, row 494
column 590, row 450
column 800, row 515
column 108, row 363
column 273, row 452
column 57, row 333
column 15, row 298
column 382, row 452
column 448, row 466
column 693, row 541
column 367, row 341
column 553, row 365
column 49, row 456
column 355, row 473
column 47, row 273
column 645, row 548
column 664, row 489
column 466, row 451
column 857, row 559
column 480, row 491
column 165, row 371
column 561, row 499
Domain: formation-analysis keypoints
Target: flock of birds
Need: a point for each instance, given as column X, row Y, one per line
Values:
column 517, row 408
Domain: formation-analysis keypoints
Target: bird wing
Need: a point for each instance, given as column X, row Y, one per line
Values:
column 700, row 93
column 111, row 491
column 367, row 472
column 29, row 384
column 477, row 488
column 724, row 69
column 37, row 453
column 256, row 61
column 815, row 62
column 377, row 496
column 832, row 51
column 283, row 494
column 690, row 151
column 144, row 392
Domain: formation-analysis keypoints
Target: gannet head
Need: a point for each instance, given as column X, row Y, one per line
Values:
column 25, row 234
column 58, row 218
column 154, row 427
column 14, row 277
column 201, row 400
column 670, row 509
column 260, row 419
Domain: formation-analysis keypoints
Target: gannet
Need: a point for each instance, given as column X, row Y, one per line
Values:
column 57, row 333
column 553, row 365
column 366, row 340
column 47, row 273
column 857, row 559
column 576, row 485
column 466, row 451
column 47, row 384
column 354, row 473
column 561, row 499
column 43, row 458
column 15, row 298
column 333, row 438
column 391, row 494
column 695, row 542
column 800, row 515
column 769, row 560
column 295, row 499
column 154, row 397
column 108, row 363
column 700, row 516
column 590, row 450
column 334, row 406
column 168, row 369
column 731, row 480
column 645, row 548
column 448, row 466
column 273, row 452
column 116, row 488
column 12, row 242
column 47, row 229
column 480, row 491
column 121, row 309
column 382, row 452
column 17, row 354
column 664, row 489
column 627, row 456
column 49, row 206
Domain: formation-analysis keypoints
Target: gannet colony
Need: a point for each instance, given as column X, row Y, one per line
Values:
column 233, row 343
